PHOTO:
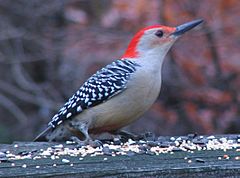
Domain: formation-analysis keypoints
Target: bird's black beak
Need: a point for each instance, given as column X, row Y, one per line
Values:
column 181, row 29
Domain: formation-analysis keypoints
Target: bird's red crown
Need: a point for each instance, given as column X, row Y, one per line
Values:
column 131, row 51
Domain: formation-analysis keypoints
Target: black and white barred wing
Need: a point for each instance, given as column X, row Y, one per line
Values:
column 101, row 86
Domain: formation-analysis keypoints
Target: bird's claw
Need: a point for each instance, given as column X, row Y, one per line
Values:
column 78, row 141
column 127, row 135
column 92, row 143
column 95, row 143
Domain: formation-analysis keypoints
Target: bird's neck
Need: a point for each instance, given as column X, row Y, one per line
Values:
column 153, row 58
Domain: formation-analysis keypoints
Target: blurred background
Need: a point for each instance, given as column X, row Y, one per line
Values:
column 49, row 48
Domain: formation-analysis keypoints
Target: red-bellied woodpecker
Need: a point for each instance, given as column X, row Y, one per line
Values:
column 121, row 92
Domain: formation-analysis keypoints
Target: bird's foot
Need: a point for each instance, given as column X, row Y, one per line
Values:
column 127, row 135
column 92, row 143
column 79, row 142
column 95, row 143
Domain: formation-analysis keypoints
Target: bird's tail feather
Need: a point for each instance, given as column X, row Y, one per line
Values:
column 41, row 136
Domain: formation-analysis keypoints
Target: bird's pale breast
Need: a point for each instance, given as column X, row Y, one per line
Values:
column 124, row 108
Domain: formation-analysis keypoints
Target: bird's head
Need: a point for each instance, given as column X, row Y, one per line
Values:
column 156, row 39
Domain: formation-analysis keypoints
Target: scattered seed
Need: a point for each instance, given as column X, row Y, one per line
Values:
column 225, row 156
column 131, row 142
column 2, row 155
column 106, row 150
column 164, row 145
column 70, row 142
column 58, row 146
column 152, row 143
column 130, row 153
column 177, row 149
column 146, row 145
column 211, row 137
column 149, row 136
column 200, row 160
column 65, row 161
column 191, row 136
column 117, row 141
column 148, row 152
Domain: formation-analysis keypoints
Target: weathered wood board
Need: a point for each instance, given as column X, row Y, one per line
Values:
column 208, row 163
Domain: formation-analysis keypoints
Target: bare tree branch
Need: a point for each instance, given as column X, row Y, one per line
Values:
column 27, row 97
column 13, row 109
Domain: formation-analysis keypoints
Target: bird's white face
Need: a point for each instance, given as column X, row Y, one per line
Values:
column 156, row 41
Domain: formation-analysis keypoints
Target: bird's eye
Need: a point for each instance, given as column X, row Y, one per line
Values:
column 159, row 33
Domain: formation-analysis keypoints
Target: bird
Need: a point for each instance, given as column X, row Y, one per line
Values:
column 119, row 93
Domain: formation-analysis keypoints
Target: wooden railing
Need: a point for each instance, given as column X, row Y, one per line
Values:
column 189, row 156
